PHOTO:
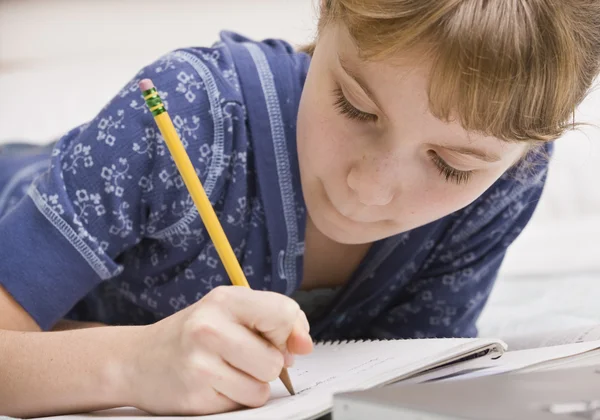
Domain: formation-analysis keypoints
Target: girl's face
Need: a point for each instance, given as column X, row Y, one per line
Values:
column 374, row 162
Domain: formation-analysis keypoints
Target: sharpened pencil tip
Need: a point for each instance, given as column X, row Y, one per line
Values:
column 285, row 378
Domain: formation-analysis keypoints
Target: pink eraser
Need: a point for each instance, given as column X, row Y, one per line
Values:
column 145, row 85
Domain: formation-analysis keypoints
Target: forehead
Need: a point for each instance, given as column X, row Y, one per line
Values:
column 400, row 62
column 394, row 81
column 400, row 85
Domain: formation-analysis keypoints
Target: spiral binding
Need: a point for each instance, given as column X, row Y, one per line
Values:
column 360, row 340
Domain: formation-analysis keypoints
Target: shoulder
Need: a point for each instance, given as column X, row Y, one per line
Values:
column 275, row 57
column 221, row 62
column 187, row 78
column 269, row 46
column 200, row 89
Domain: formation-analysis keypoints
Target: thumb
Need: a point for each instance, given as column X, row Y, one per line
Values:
column 300, row 341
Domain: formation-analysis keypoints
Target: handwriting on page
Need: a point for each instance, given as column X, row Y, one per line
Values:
column 306, row 381
column 316, row 384
column 338, row 368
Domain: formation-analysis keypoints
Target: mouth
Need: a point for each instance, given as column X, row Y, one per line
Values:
column 356, row 217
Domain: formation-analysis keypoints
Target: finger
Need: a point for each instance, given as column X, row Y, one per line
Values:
column 239, row 386
column 271, row 314
column 289, row 359
column 299, row 341
column 251, row 353
column 299, row 344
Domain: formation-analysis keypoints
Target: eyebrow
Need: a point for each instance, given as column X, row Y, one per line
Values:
column 478, row 154
column 359, row 80
column 474, row 153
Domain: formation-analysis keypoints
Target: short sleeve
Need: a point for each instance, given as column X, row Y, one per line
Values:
column 447, row 296
column 104, row 180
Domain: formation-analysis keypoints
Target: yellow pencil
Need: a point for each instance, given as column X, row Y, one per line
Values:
column 194, row 186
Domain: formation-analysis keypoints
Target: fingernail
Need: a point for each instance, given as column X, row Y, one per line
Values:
column 288, row 359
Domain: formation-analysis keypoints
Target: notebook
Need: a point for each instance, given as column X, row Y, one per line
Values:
column 558, row 394
column 526, row 360
column 342, row 366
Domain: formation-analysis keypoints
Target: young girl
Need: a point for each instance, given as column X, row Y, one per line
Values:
column 372, row 182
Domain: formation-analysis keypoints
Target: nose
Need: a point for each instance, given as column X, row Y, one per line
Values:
column 372, row 182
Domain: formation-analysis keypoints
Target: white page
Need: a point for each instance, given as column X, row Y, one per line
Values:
column 571, row 335
column 335, row 368
column 530, row 359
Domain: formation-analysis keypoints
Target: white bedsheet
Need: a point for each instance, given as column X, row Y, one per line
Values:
column 51, row 51
column 537, row 304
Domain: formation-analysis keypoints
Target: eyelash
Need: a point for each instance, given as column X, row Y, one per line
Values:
column 344, row 107
column 448, row 172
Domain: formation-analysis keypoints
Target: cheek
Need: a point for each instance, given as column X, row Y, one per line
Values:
column 311, row 130
column 322, row 134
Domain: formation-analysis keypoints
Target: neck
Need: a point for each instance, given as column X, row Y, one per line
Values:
column 328, row 263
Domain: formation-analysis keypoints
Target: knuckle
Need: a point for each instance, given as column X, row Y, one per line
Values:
column 202, row 369
column 205, row 332
column 260, row 394
column 219, row 295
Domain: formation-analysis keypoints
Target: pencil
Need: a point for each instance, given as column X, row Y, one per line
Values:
column 194, row 186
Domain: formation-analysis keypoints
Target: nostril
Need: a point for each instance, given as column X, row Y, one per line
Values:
column 368, row 193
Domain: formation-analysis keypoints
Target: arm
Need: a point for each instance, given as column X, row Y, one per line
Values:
column 33, row 365
column 69, row 234
column 184, row 364
column 66, row 237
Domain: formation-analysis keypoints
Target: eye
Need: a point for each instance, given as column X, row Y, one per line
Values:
column 345, row 108
column 448, row 172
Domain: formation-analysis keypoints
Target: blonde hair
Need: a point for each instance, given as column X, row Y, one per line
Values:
column 511, row 69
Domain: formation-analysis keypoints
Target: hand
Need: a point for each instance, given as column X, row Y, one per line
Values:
column 216, row 355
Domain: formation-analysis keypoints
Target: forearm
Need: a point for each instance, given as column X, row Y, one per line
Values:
column 46, row 373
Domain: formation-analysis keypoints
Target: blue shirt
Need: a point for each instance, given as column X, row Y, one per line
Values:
column 106, row 230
